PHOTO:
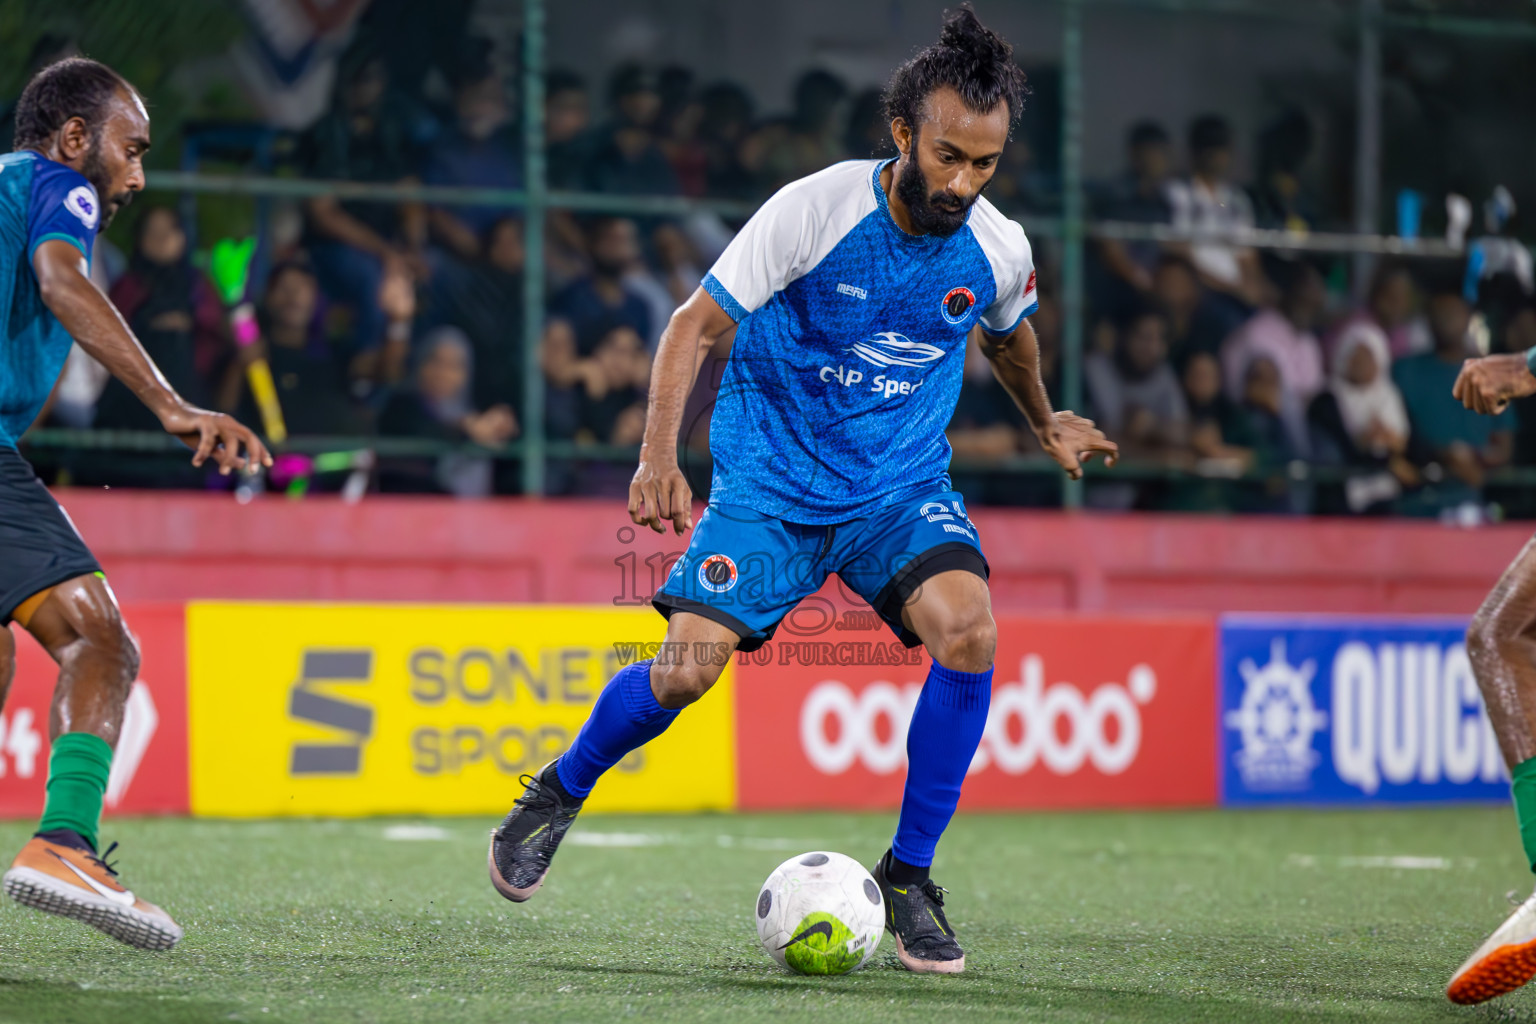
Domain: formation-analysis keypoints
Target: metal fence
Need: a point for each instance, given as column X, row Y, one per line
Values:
column 1072, row 229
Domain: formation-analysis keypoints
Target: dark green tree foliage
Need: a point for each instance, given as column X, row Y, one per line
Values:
column 148, row 41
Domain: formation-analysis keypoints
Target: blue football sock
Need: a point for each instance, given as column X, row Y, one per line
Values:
column 946, row 728
column 625, row 717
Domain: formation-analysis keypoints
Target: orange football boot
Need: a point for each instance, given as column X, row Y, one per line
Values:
column 76, row 883
column 1502, row 964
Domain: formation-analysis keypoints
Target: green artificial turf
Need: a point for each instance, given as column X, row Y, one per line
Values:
column 1228, row 916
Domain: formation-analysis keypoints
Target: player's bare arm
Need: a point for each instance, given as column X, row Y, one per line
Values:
column 659, row 490
column 66, row 288
column 1488, row 384
column 1070, row 439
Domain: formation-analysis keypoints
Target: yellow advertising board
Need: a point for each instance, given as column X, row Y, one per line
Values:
column 333, row 709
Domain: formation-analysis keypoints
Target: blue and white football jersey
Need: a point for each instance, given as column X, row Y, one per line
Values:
column 847, row 361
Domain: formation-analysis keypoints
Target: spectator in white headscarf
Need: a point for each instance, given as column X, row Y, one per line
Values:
column 1360, row 421
column 1371, row 409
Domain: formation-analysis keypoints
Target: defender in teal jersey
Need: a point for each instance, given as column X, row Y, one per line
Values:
column 81, row 134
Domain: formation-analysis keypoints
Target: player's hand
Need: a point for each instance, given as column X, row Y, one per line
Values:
column 217, row 436
column 1486, row 385
column 1073, row 440
column 659, row 491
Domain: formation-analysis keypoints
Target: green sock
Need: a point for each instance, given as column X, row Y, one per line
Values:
column 77, row 784
column 1522, row 786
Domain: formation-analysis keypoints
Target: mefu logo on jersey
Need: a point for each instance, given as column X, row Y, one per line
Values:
column 886, row 349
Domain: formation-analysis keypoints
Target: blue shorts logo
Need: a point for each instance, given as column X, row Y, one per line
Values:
column 717, row 573
column 933, row 511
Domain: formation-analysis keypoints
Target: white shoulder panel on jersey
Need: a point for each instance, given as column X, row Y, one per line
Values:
column 790, row 234
column 1002, row 241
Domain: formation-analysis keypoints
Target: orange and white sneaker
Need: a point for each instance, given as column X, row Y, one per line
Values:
column 1503, row 963
column 72, row 882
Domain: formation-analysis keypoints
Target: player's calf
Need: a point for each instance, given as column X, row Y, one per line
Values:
column 98, row 663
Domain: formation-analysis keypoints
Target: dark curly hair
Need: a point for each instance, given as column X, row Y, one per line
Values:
column 72, row 87
column 970, row 58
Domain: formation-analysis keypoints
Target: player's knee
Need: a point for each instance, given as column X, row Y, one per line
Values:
column 1492, row 632
column 966, row 644
column 1490, row 636
column 678, row 685
column 105, row 639
column 1481, row 637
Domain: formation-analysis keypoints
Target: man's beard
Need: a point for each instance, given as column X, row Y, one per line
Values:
column 942, row 213
column 94, row 170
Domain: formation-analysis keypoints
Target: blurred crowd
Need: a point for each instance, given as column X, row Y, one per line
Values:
column 1254, row 375
column 1237, row 368
column 407, row 319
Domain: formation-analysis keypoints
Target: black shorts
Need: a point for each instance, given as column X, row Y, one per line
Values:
column 39, row 546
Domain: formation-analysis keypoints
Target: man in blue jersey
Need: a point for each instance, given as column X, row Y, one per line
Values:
column 81, row 134
column 853, row 294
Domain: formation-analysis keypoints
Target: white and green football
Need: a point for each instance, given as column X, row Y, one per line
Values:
column 820, row 913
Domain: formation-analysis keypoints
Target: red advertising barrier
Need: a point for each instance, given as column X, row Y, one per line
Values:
column 166, row 546
column 1086, row 712
column 149, row 769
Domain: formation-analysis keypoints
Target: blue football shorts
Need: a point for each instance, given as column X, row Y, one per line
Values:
column 747, row 571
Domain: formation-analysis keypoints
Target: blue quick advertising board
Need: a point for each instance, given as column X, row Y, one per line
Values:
column 1322, row 710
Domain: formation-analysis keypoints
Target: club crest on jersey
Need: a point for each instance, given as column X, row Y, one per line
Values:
column 81, row 202
column 957, row 304
column 717, row 573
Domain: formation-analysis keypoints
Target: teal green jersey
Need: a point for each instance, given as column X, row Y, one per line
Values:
column 39, row 200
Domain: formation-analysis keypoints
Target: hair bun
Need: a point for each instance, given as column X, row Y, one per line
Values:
column 969, row 58
column 964, row 31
